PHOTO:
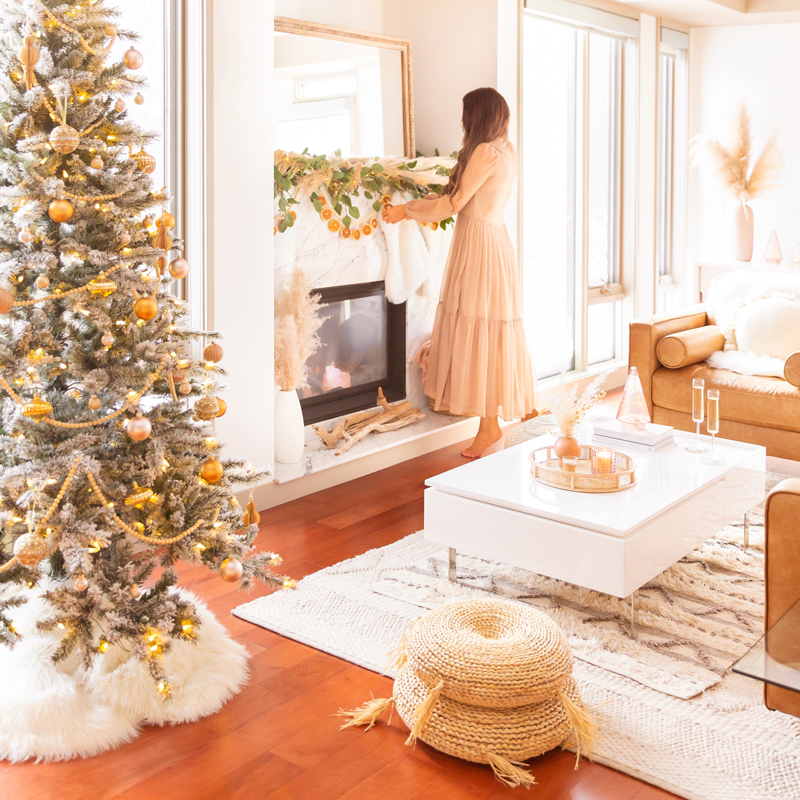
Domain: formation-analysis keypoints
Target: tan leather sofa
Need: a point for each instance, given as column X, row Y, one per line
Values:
column 754, row 409
column 782, row 575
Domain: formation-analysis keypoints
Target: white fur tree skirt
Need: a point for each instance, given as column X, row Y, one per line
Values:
column 59, row 711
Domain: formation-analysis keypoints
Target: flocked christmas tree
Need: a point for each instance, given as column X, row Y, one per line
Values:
column 108, row 468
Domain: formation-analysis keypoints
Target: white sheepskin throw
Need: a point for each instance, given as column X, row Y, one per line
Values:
column 68, row 710
column 747, row 363
column 731, row 292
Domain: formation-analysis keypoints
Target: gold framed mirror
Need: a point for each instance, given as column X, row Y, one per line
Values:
column 348, row 90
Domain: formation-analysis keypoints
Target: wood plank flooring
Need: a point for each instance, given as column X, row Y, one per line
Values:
column 277, row 739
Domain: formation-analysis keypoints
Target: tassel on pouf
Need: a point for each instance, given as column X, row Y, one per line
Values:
column 452, row 693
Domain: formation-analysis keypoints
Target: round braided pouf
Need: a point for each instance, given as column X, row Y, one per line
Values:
column 489, row 681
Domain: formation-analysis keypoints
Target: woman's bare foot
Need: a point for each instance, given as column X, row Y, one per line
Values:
column 488, row 433
column 530, row 416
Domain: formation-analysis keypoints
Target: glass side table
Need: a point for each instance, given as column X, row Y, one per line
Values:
column 775, row 657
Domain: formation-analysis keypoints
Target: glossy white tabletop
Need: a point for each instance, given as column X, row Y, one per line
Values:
column 663, row 479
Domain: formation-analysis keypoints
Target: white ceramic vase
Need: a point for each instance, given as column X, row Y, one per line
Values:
column 289, row 428
column 744, row 232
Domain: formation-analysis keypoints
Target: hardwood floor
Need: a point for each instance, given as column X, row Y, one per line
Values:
column 277, row 739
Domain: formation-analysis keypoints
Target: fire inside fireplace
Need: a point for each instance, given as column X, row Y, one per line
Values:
column 363, row 347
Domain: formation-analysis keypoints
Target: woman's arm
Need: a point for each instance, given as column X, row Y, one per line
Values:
column 482, row 163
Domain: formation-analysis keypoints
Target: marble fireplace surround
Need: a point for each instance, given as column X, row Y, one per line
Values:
column 411, row 260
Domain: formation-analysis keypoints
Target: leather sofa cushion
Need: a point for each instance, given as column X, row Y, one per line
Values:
column 750, row 399
column 791, row 369
column 689, row 347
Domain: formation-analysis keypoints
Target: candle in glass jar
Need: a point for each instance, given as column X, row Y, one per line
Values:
column 605, row 462
column 569, row 463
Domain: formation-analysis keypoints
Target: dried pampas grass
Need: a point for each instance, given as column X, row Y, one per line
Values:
column 567, row 408
column 731, row 166
column 296, row 325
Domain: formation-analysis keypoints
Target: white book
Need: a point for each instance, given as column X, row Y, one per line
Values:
column 650, row 436
column 623, row 445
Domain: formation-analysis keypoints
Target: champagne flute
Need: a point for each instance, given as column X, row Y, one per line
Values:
column 713, row 427
column 698, row 390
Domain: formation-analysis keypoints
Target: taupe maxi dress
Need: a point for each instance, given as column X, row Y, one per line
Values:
column 479, row 361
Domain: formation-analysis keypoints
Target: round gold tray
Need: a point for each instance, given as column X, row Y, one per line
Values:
column 545, row 469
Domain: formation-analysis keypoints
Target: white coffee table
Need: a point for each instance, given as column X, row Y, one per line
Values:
column 612, row 543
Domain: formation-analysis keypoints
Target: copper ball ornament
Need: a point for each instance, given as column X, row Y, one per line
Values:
column 64, row 139
column 6, row 301
column 107, row 340
column 125, row 238
column 139, row 428
column 211, row 470
column 26, row 237
column 60, row 210
column 42, row 282
column 133, row 58
column 145, row 308
column 178, row 268
column 138, row 98
column 95, row 402
column 213, row 352
column 167, row 220
column 97, row 163
column 111, row 30
column 134, row 591
column 81, row 584
column 223, row 407
column 231, row 570
column 30, row 549
column 147, row 222
column 185, row 387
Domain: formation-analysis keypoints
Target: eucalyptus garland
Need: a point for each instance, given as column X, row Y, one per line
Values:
column 336, row 185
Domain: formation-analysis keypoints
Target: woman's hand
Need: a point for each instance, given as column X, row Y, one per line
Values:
column 394, row 214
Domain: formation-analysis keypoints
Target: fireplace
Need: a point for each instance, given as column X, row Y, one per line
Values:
column 363, row 347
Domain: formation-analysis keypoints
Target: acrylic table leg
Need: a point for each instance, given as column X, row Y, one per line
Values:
column 451, row 564
column 747, row 529
column 633, row 614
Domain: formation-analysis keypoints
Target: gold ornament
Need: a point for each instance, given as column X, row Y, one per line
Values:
column 211, row 470
column 185, row 387
column 120, row 106
column 95, row 402
column 147, row 221
column 96, row 163
column 37, row 408
column 26, row 237
column 102, row 286
column 334, row 225
column 30, row 549
column 138, row 98
column 167, row 220
column 60, row 210
column 138, row 428
column 223, row 407
column 145, row 308
column 64, row 139
column 42, row 282
column 206, row 409
column 138, row 497
column 133, row 58
column 147, row 164
column 213, row 352
column 179, row 268
column 326, row 214
column 134, row 591
column 125, row 238
column 162, row 240
column 161, row 264
column 107, row 340
column 6, row 301
column 29, row 56
column 251, row 516
column 111, row 30
column 230, row 570
column 81, row 584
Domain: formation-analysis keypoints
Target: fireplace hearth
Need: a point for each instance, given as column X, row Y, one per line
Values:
column 363, row 347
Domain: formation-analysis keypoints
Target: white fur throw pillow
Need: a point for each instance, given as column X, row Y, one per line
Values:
column 747, row 363
column 769, row 326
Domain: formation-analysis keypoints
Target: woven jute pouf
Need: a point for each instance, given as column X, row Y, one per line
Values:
column 488, row 681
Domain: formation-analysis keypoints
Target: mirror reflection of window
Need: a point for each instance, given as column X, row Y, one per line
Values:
column 332, row 95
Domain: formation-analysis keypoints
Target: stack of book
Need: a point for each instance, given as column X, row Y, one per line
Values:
column 652, row 438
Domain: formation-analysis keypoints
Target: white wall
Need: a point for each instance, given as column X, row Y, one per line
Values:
column 760, row 64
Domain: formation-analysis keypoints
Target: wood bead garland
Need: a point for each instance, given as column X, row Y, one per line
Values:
column 211, row 470
column 139, row 428
column 60, row 210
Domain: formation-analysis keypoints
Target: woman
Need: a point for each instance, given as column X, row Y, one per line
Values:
column 478, row 362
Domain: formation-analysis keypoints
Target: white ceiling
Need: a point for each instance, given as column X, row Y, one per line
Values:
column 704, row 13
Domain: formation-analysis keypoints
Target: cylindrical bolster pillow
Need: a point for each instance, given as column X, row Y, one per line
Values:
column 791, row 369
column 689, row 347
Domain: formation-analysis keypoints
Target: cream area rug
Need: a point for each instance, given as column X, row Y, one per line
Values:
column 671, row 712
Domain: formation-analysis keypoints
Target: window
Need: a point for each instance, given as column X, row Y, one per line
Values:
column 671, row 166
column 572, row 187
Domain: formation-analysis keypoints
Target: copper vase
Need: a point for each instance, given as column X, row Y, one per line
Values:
column 566, row 446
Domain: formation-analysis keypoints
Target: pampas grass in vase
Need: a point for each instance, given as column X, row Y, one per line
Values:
column 296, row 340
column 742, row 177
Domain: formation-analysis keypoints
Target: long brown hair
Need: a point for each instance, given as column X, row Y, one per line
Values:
column 485, row 118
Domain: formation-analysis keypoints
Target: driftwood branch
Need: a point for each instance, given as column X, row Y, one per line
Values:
column 358, row 426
